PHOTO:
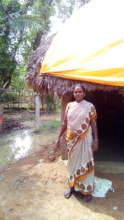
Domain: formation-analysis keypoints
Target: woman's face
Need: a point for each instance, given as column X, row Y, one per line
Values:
column 79, row 94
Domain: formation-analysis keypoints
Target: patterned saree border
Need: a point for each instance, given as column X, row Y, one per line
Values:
column 82, row 177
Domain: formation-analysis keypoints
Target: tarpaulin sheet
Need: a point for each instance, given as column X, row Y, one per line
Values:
column 90, row 45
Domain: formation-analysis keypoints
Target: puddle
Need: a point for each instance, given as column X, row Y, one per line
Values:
column 17, row 144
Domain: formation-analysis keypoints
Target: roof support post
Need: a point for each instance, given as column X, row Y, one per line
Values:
column 37, row 110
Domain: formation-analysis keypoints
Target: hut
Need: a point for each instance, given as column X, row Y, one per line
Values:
column 106, row 91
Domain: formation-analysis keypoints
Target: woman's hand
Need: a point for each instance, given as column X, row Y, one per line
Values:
column 57, row 143
column 63, row 129
column 95, row 145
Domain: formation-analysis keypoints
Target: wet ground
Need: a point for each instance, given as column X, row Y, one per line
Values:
column 33, row 189
column 26, row 137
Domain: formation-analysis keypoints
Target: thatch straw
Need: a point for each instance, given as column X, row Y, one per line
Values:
column 51, row 84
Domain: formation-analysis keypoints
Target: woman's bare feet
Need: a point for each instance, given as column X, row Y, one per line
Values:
column 68, row 193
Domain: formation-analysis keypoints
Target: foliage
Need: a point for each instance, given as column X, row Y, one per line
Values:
column 66, row 7
column 18, row 79
column 8, row 96
column 22, row 24
column 50, row 102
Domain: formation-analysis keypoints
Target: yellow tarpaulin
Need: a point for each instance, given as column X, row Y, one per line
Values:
column 90, row 45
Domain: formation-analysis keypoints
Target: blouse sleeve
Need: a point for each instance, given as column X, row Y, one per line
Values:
column 93, row 113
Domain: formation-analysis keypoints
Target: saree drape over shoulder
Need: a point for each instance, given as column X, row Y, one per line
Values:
column 79, row 142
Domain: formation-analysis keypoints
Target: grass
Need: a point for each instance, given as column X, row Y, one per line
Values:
column 52, row 125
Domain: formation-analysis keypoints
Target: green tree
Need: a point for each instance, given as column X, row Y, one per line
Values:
column 22, row 24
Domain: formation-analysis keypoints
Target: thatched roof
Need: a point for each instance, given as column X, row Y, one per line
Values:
column 51, row 84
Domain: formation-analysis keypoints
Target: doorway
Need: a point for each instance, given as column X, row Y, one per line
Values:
column 110, row 110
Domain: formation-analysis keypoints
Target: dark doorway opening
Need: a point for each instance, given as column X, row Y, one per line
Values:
column 110, row 109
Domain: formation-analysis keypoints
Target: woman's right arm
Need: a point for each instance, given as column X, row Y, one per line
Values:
column 63, row 129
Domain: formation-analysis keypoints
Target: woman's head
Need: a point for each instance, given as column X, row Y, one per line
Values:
column 79, row 92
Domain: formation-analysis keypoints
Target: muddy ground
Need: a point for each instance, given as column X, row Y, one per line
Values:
column 33, row 187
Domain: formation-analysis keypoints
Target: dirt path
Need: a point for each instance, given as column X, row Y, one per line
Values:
column 32, row 189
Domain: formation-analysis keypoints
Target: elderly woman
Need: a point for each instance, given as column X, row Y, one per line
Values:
column 82, row 141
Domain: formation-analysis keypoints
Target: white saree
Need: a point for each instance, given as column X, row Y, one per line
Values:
column 79, row 142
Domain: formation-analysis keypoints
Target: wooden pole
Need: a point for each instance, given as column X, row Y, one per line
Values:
column 37, row 110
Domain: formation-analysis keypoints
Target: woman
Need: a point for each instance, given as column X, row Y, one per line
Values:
column 82, row 141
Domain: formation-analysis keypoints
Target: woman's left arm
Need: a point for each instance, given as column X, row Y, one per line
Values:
column 95, row 134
